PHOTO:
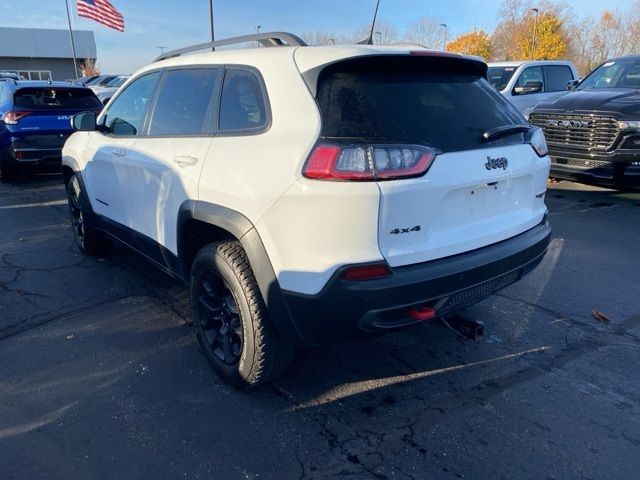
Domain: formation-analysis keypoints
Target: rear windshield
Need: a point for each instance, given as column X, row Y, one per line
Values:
column 499, row 77
column 444, row 103
column 56, row 98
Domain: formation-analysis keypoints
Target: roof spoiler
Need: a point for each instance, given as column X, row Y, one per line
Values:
column 270, row 39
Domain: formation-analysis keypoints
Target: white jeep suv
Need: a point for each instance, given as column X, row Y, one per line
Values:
column 312, row 194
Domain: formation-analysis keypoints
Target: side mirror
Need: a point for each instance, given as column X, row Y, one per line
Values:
column 529, row 88
column 572, row 85
column 84, row 122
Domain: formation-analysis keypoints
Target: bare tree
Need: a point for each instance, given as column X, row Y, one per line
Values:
column 580, row 51
column 320, row 37
column 425, row 31
column 385, row 33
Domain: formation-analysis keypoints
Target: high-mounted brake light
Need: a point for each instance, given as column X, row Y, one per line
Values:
column 434, row 53
column 363, row 162
column 367, row 272
column 12, row 118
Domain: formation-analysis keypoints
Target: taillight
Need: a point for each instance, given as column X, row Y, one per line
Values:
column 537, row 141
column 366, row 272
column 365, row 162
column 12, row 118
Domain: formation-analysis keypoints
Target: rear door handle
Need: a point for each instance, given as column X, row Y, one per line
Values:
column 185, row 161
column 118, row 153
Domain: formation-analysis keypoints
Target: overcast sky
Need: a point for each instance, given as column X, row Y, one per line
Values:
column 174, row 24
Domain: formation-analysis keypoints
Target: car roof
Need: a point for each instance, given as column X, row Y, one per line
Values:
column 518, row 63
column 306, row 57
column 628, row 57
column 45, row 83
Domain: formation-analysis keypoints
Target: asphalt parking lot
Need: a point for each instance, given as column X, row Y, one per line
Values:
column 101, row 376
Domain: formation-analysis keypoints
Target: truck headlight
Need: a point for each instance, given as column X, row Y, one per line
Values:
column 629, row 125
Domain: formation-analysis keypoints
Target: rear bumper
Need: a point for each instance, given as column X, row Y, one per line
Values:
column 619, row 168
column 21, row 156
column 346, row 310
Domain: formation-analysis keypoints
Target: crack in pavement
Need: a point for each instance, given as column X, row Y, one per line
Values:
column 620, row 328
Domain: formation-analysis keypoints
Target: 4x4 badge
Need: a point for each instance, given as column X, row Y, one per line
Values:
column 492, row 163
column 398, row 231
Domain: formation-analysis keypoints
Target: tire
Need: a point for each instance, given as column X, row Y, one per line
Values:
column 231, row 319
column 8, row 170
column 90, row 241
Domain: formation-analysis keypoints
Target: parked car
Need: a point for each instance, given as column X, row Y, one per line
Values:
column 34, row 122
column 594, row 131
column 100, row 80
column 312, row 194
column 85, row 80
column 9, row 76
column 525, row 84
column 104, row 93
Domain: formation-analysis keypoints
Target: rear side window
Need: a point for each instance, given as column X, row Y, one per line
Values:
column 185, row 102
column 558, row 77
column 56, row 98
column 500, row 77
column 242, row 105
column 127, row 112
column 444, row 103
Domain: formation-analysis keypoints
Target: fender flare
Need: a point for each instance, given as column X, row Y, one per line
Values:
column 243, row 229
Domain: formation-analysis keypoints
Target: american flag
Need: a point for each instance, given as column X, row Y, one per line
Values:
column 102, row 12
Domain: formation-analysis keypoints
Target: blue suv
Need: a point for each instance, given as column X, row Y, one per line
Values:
column 35, row 122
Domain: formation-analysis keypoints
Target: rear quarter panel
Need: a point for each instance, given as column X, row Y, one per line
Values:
column 249, row 172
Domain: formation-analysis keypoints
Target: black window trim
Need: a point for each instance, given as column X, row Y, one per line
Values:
column 241, row 132
column 101, row 127
column 212, row 110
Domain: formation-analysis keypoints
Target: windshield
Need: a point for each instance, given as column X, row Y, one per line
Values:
column 116, row 82
column 432, row 101
column 499, row 76
column 56, row 98
column 101, row 81
column 614, row 74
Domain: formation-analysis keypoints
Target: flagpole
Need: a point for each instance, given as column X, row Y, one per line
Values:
column 211, row 23
column 73, row 44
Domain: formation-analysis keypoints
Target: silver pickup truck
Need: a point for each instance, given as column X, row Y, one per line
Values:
column 527, row 83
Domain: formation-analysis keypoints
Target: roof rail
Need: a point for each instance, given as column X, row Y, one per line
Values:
column 270, row 39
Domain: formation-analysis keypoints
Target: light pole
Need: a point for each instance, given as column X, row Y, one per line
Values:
column 161, row 50
column 444, row 45
column 535, row 33
column 213, row 37
column 258, row 27
column 379, row 34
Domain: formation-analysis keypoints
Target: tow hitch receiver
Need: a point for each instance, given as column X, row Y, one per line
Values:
column 472, row 329
column 423, row 313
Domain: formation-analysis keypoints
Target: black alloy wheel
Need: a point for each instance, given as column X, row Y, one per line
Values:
column 75, row 211
column 219, row 318
column 89, row 240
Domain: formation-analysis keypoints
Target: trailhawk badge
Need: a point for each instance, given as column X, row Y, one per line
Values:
column 494, row 163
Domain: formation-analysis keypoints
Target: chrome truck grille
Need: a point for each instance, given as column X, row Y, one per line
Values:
column 585, row 132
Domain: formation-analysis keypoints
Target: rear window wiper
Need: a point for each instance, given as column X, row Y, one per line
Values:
column 505, row 130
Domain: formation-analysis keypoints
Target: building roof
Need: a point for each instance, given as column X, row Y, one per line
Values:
column 45, row 43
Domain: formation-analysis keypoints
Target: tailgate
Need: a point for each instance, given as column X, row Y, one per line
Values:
column 461, row 205
column 47, row 121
